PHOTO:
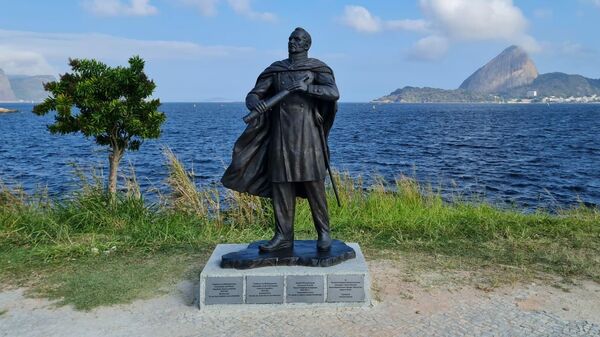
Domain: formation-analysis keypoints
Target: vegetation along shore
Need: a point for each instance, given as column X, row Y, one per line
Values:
column 90, row 248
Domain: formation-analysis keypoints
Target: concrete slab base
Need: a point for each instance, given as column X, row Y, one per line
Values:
column 341, row 285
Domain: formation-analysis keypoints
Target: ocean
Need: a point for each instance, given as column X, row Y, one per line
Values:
column 529, row 156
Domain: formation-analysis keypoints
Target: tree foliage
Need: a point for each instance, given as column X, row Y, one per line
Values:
column 114, row 106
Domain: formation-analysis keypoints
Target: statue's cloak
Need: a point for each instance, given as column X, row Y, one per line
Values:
column 248, row 171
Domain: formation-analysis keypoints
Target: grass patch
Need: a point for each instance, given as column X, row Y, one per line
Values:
column 57, row 246
column 91, row 281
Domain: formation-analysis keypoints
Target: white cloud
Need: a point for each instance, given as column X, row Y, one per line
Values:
column 18, row 49
column 205, row 7
column 449, row 21
column 360, row 19
column 476, row 19
column 18, row 62
column 429, row 48
column 118, row 8
column 240, row 7
column 574, row 48
column 570, row 49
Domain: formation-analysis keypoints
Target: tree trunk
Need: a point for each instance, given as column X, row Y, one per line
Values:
column 114, row 158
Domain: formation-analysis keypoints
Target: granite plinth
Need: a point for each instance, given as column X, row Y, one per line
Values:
column 280, row 286
column 304, row 253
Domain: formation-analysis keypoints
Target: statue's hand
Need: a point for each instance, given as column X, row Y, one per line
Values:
column 298, row 86
column 260, row 107
column 302, row 85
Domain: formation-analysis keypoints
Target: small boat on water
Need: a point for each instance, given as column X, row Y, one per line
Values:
column 4, row 110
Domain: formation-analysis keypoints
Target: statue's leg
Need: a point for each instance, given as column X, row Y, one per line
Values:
column 284, row 206
column 315, row 192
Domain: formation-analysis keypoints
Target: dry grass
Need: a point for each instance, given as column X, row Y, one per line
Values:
column 185, row 196
column 12, row 197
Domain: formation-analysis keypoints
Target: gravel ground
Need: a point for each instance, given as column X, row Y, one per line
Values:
column 404, row 308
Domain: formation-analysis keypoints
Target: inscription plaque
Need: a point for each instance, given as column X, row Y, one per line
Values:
column 345, row 288
column 223, row 290
column 264, row 289
column 305, row 289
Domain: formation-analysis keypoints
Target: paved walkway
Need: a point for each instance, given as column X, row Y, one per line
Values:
column 405, row 309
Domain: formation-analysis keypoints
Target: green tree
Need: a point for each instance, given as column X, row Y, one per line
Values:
column 113, row 103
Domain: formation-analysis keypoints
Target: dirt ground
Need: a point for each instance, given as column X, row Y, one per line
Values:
column 408, row 303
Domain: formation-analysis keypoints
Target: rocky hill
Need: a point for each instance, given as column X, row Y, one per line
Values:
column 558, row 85
column 512, row 68
column 6, row 92
column 30, row 88
column 23, row 88
column 510, row 75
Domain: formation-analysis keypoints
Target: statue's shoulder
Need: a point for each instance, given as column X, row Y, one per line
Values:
column 275, row 67
column 316, row 62
column 311, row 64
column 318, row 66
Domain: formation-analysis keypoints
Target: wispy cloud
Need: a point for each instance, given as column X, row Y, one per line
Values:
column 240, row 7
column 448, row 21
column 595, row 2
column 570, row 49
column 205, row 7
column 476, row 19
column 360, row 19
column 429, row 48
column 120, row 8
column 23, row 52
column 23, row 62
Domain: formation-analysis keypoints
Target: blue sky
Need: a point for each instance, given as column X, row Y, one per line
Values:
column 214, row 49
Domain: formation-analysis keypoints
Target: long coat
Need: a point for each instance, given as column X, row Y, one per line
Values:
column 286, row 144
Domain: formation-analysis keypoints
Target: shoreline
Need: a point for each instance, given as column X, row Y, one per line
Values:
column 490, row 103
column 368, row 102
column 5, row 110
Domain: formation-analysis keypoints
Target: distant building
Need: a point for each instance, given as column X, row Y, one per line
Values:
column 532, row 93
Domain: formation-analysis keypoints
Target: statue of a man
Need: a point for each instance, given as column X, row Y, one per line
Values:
column 282, row 154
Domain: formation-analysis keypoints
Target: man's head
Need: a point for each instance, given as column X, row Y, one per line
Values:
column 299, row 41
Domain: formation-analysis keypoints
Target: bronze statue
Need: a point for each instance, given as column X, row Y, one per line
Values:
column 283, row 152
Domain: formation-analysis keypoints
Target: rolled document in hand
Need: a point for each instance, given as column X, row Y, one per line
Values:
column 270, row 103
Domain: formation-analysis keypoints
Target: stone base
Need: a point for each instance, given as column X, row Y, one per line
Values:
column 304, row 253
column 344, row 284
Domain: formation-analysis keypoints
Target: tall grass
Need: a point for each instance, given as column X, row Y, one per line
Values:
column 400, row 216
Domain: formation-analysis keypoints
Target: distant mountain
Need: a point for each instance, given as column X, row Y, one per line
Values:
column 512, row 68
column 6, row 92
column 511, row 74
column 435, row 95
column 23, row 88
column 558, row 85
column 30, row 88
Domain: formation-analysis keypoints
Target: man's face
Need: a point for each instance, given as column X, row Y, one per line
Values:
column 297, row 42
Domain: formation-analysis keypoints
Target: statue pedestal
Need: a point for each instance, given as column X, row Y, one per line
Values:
column 304, row 253
column 324, row 279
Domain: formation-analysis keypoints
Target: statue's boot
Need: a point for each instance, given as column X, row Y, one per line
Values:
column 284, row 204
column 278, row 242
column 324, row 242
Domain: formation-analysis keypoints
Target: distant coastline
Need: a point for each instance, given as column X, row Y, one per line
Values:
column 515, row 101
column 510, row 77
column 5, row 110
